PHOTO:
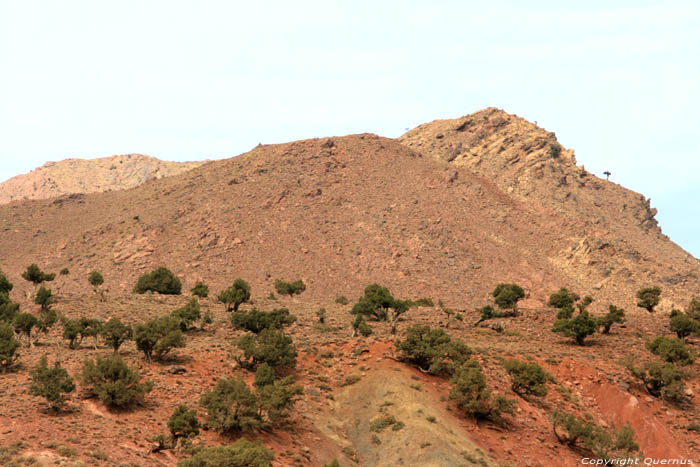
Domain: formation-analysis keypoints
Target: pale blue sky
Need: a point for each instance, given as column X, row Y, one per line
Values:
column 187, row 80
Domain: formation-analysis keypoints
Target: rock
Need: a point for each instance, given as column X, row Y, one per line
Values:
column 177, row 370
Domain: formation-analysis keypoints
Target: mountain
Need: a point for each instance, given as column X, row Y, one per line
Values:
column 447, row 211
column 89, row 176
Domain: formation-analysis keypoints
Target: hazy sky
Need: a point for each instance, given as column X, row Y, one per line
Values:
column 187, row 80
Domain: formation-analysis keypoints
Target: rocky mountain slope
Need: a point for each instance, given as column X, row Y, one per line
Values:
column 447, row 211
column 89, row 176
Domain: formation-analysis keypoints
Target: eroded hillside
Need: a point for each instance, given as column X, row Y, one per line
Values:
column 71, row 176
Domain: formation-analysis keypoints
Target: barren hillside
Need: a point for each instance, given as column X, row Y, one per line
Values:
column 89, row 176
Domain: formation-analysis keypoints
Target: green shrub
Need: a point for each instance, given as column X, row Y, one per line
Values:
column 271, row 346
column 276, row 399
column 572, row 430
column 433, row 350
column 507, row 296
column 648, row 298
column 242, row 453
column 528, row 378
column 51, row 383
column 290, row 288
column 487, row 312
column 187, row 315
column 578, row 328
column 235, row 295
column 47, row 318
column 5, row 285
column 565, row 313
column 8, row 346
column 378, row 303
column 156, row 338
column 200, row 290
column 115, row 333
column 256, row 321
column 671, row 350
column 231, row 407
column 75, row 330
column 161, row 281
column 342, row 300
column 563, row 299
column 380, row 423
column 359, row 325
column 183, row 423
column 24, row 323
column 470, row 392
column 664, row 380
column 683, row 325
column 554, row 150
column 8, row 309
column 113, row 382
column 693, row 309
column 96, row 280
column 35, row 275
column 44, row 298
column 615, row 315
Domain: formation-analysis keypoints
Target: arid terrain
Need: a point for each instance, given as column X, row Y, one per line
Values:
column 447, row 211
column 71, row 176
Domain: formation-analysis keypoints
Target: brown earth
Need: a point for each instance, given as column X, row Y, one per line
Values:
column 341, row 213
column 89, row 176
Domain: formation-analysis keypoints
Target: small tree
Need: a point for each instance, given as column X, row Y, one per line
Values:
column 449, row 313
column 161, row 281
column 359, row 325
column 36, row 276
column 671, row 350
column 664, row 380
column 96, row 280
column 507, row 296
column 8, row 309
column 115, row 333
column 271, row 346
column 579, row 327
column 683, row 325
column 187, row 315
column 200, row 290
column 51, row 383
column 44, row 298
column 231, row 407
column 113, row 382
column 615, row 315
column 276, row 399
column 156, row 338
column 5, row 285
column 242, row 453
column 235, row 295
column 290, row 288
column 378, row 303
column 24, row 323
column 562, row 299
column 528, row 378
column 255, row 321
column 554, row 150
column 183, row 423
column 8, row 346
column 432, row 350
column 648, row 298
column 472, row 395
column 321, row 315
column 572, row 430
column 693, row 310
column 71, row 332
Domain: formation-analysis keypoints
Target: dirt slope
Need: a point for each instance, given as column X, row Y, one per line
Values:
column 89, row 176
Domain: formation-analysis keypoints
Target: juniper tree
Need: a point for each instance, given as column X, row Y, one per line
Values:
column 115, row 333
column 113, row 382
column 200, row 290
column 242, row 453
column 8, row 346
column 161, row 280
column 527, row 378
column 51, row 383
column 5, row 285
column 289, row 288
column 231, row 407
column 187, row 315
column 648, row 298
column 271, row 346
column 580, row 327
column 614, row 315
column 472, row 395
column 235, row 295
column 683, row 325
column 157, row 337
column 44, row 298
column 24, row 323
column 183, row 423
column 96, row 280
column 36, row 276
column 507, row 296
column 432, row 350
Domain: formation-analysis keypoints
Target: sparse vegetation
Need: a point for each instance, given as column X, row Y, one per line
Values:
column 321, row 315
column 528, row 378
column 161, row 280
column 242, row 453
column 156, row 338
column 187, row 315
column 113, row 382
column 614, row 315
column 200, row 290
column 554, row 150
column 671, row 350
column 235, row 295
column 342, row 300
column 256, row 321
column 578, row 432
column 432, row 350
column 51, row 383
column 359, row 325
column 289, row 288
column 470, row 392
column 648, row 298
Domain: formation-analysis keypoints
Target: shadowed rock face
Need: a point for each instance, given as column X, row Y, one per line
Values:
column 89, row 176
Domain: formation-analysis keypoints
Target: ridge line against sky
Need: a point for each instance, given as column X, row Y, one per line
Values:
column 184, row 80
